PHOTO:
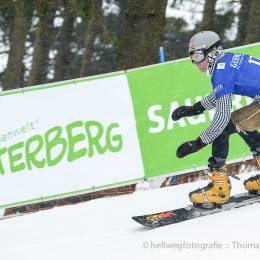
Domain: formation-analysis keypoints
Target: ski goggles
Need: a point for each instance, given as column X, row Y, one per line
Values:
column 197, row 56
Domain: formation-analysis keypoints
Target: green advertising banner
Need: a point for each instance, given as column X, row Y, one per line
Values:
column 156, row 91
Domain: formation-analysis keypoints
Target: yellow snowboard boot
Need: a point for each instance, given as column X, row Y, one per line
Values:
column 253, row 183
column 216, row 193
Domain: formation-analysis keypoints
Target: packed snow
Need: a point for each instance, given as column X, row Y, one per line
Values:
column 103, row 229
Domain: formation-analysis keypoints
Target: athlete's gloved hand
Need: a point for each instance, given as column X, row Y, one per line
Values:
column 183, row 111
column 190, row 147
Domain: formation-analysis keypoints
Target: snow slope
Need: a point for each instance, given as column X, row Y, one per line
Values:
column 103, row 229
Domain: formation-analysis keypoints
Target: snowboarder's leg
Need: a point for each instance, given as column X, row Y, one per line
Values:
column 220, row 148
column 220, row 145
column 247, row 118
column 253, row 183
column 218, row 191
column 252, row 139
column 257, row 158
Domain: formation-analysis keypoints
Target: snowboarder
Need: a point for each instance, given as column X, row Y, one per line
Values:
column 231, row 73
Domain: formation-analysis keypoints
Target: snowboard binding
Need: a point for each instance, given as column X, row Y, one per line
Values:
column 207, row 206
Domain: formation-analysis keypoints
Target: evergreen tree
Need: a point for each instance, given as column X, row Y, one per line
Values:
column 64, row 41
column 243, row 17
column 43, row 41
column 13, row 75
column 143, row 28
column 253, row 27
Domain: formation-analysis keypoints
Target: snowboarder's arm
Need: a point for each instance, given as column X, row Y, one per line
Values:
column 198, row 108
column 209, row 101
column 220, row 120
column 218, row 124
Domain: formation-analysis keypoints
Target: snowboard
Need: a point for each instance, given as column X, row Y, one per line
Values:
column 190, row 212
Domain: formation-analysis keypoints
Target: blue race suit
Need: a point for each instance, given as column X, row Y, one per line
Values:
column 237, row 74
